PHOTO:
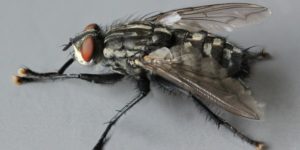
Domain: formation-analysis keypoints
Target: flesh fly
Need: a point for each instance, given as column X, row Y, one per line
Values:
column 179, row 50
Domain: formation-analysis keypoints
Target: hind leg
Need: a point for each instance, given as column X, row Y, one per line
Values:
column 248, row 58
column 220, row 121
column 256, row 55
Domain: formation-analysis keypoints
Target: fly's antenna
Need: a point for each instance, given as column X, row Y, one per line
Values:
column 67, row 46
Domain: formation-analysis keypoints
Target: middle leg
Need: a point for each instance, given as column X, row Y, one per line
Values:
column 143, row 85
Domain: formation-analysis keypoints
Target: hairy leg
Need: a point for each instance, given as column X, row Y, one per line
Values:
column 256, row 55
column 249, row 57
column 220, row 121
column 143, row 85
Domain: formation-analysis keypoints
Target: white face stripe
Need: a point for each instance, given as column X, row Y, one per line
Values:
column 79, row 58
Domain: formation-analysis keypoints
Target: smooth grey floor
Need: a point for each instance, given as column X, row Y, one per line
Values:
column 69, row 115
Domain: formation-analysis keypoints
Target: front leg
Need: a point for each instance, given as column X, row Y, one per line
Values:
column 28, row 72
column 32, row 76
column 65, row 66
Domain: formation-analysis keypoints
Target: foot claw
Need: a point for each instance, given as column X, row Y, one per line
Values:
column 260, row 146
column 17, row 80
column 22, row 72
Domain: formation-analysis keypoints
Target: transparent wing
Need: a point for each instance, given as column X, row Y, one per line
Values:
column 213, row 18
column 203, row 78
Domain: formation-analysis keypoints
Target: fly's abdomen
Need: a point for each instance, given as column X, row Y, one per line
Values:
column 232, row 58
column 216, row 47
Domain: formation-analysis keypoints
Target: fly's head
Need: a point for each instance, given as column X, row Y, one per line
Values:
column 88, row 45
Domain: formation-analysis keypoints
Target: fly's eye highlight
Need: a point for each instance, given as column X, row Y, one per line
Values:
column 87, row 49
column 92, row 26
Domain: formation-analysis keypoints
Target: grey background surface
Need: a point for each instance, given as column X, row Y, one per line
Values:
column 70, row 114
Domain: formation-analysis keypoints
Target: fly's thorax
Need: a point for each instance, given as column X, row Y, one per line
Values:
column 126, row 66
column 128, row 42
column 131, row 39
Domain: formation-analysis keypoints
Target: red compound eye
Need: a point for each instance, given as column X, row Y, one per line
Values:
column 87, row 49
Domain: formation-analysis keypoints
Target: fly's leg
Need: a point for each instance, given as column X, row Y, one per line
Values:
column 258, row 55
column 249, row 57
column 26, row 72
column 96, row 78
column 219, row 121
column 65, row 66
column 143, row 85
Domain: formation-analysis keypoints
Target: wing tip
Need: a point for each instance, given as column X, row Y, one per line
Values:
column 255, row 117
column 251, row 115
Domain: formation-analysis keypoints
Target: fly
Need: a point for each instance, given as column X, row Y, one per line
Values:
column 177, row 49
